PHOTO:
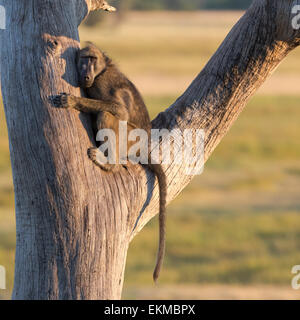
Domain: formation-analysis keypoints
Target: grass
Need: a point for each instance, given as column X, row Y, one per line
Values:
column 215, row 246
column 238, row 224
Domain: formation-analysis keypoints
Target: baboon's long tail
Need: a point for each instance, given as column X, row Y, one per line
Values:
column 162, row 181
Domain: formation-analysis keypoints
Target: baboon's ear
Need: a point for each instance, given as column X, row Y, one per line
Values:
column 107, row 59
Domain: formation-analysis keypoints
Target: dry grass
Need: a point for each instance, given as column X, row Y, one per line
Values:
column 212, row 292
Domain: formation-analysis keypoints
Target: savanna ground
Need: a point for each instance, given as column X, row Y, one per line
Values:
column 234, row 233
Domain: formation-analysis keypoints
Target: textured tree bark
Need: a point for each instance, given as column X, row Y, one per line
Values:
column 74, row 222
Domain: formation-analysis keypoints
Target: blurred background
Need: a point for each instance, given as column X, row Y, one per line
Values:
column 234, row 232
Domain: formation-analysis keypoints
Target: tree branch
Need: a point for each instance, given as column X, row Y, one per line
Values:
column 100, row 5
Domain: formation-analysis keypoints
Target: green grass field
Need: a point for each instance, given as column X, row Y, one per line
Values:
column 238, row 224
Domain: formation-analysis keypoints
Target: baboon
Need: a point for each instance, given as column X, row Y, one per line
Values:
column 113, row 98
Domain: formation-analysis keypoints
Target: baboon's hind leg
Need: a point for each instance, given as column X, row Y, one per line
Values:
column 105, row 120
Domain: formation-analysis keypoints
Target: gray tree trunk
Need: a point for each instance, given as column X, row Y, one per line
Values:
column 74, row 222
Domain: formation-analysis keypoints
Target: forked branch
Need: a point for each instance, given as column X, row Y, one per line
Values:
column 100, row 5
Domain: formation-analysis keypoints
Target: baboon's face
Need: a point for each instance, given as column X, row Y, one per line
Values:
column 90, row 64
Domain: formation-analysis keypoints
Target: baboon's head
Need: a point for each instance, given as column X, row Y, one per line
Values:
column 91, row 62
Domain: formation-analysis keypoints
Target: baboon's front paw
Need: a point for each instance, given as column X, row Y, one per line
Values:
column 64, row 101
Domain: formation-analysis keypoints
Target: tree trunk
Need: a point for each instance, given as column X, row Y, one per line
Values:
column 75, row 222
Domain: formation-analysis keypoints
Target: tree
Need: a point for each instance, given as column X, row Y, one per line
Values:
column 74, row 222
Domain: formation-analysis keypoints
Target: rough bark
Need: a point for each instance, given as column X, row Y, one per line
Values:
column 74, row 222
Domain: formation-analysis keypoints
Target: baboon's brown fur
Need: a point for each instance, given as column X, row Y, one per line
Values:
column 111, row 98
